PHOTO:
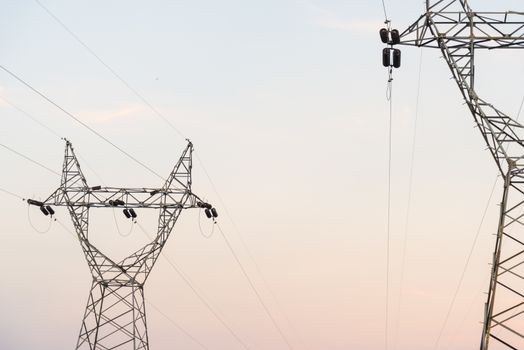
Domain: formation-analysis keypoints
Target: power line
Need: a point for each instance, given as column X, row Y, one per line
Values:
column 29, row 159
column 199, row 296
column 180, row 328
column 110, row 69
column 244, row 272
column 79, row 121
column 388, row 234
column 186, row 333
column 133, row 90
column 31, row 117
column 246, row 248
column 12, row 194
column 459, row 285
column 410, row 190
column 385, row 12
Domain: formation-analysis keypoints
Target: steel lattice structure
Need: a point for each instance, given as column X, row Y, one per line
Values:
column 115, row 316
column 458, row 31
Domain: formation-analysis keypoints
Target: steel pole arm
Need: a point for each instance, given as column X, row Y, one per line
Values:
column 485, row 30
column 107, row 197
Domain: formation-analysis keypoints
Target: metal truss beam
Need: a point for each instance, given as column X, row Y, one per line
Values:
column 457, row 31
column 115, row 316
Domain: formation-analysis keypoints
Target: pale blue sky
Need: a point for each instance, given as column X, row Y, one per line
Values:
column 285, row 102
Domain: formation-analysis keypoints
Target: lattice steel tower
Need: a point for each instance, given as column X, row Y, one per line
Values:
column 115, row 316
column 458, row 32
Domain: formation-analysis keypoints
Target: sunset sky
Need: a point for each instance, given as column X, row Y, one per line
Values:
column 285, row 102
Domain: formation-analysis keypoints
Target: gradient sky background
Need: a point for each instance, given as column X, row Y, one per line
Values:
column 285, row 103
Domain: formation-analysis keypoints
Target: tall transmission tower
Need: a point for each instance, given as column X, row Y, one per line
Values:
column 115, row 316
column 458, row 32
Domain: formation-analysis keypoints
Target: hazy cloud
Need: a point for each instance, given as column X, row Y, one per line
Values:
column 112, row 115
column 328, row 19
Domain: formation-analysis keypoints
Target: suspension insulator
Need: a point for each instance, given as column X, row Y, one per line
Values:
column 214, row 212
column 50, row 210
column 386, row 57
column 384, row 35
column 208, row 213
column 126, row 213
column 133, row 213
column 44, row 210
column 33, row 202
column 152, row 193
column 396, row 58
column 395, row 37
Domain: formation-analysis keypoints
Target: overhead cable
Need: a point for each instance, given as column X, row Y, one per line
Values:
column 259, row 297
column 388, row 229
column 72, row 116
column 410, row 191
column 180, row 328
column 246, row 248
column 30, row 117
column 186, row 333
column 110, row 69
column 29, row 159
column 195, row 291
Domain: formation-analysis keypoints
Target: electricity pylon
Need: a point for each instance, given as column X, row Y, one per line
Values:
column 458, row 32
column 115, row 316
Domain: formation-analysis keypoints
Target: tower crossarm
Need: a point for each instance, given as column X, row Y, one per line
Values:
column 108, row 197
column 458, row 31
column 483, row 30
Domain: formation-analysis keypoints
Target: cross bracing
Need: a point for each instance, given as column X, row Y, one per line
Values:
column 458, row 31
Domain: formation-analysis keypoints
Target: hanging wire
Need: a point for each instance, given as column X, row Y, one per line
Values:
column 259, row 297
column 74, row 236
column 12, row 194
column 133, row 90
column 72, row 116
column 410, row 190
column 246, row 248
column 30, row 117
column 461, row 279
column 29, row 159
column 208, row 236
column 385, row 12
column 466, row 265
column 113, row 72
column 388, row 236
column 186, row 333
column 118, row 227
column 44, row 231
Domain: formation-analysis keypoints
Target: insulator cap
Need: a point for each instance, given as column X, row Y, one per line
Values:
column 44, row 210
column 96, row 188
column 214, row 212
column 395, row 37
column 384, row 35
column 50, row 210
column 208, row 206
column 208, row 213
column 386, row 57
column 396, row 58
